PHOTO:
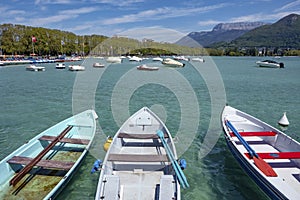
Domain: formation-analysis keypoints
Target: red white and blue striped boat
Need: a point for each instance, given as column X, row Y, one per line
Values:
column 270, row 157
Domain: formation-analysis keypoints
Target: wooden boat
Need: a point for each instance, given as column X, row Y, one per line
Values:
column 270, row 157
column 146, row 68
column 41, row 167
column 141, row 162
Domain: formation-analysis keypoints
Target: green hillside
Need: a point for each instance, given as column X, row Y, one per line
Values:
column 283, row 34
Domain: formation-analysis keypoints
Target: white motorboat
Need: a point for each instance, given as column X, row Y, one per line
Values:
column 76, row 68
column 98, row 65
column 270, row 64
column 157, row 59
column 180, row 58
column 41, row 167
column 147, row 68
column 141, row 162
column 114, row 60
column 270, row 157
column 198, row 59
column 135, row 59
column 60, row 66
column 35, row 68
column 172, row 63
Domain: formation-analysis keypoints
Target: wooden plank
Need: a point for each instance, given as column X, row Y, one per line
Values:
column 30, row 165
column 56, row 164
column 137, row 158
column 278, row 155
column 139, row 136
column 260, row 133
column 66, row 140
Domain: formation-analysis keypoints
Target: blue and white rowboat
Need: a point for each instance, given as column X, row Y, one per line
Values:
column 41, row 167
column 270, row 157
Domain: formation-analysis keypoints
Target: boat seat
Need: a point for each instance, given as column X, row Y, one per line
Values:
column 166, row 187
column 260, row 133
column 112, row 187
column 278, row 155
column 63, row 165
column 139, row 136
column 66, row 140
column 137, row 158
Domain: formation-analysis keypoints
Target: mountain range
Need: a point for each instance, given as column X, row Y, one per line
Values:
column 283, row 33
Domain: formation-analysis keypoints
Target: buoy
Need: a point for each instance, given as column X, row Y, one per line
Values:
column 96, row 166
column 182, row 163
column 107, row 143
column 284, row 120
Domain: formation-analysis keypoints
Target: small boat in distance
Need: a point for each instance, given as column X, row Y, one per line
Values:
column 141, row 162
column 198, row 59
column 135, row 59
column 157, row 59
column 98, row 65
column 270, row 64
column 172, row 63
column 42, row 166
column 60, row 66
column 146, row 68
column 270, row 157
column 76, row 68
column 114, row 60
column 35, row 68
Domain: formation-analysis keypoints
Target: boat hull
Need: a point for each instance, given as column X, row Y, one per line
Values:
column 264, row 185
column 270, row 64
column 273, row 147
column 47, row 178
column 136, row 165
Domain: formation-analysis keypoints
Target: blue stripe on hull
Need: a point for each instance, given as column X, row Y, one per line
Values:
column 266, row 187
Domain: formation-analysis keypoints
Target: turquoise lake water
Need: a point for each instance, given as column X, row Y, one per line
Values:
column 189, row 100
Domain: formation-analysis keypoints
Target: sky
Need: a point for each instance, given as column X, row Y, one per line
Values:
column 160, row 20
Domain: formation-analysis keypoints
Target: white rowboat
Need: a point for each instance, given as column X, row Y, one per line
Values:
column 270, row 157
column 141, row 162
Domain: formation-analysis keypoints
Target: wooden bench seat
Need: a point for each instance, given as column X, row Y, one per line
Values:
column 63, row 165
column 66, row 140
column 139, row 136
column 261, row 133
column 278, row 155
column 137, row 158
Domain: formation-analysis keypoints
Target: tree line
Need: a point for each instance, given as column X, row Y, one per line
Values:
column 26, row 40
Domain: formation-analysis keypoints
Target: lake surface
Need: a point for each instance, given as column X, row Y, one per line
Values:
column 189, row 100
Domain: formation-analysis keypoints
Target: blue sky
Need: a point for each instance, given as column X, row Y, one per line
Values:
column 164, row 20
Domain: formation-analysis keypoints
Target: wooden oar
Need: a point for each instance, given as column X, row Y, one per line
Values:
column 180, row 175
column 258, row 161
column 34, row 161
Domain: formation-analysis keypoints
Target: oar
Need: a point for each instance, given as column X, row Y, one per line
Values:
column 180, row 175
column 258, row 161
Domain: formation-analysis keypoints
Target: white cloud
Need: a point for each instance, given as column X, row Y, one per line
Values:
column 52, row 19
column 161, row 13
column 156, row 33
column 82, row 10
column 288, row 6
column 260, row 17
